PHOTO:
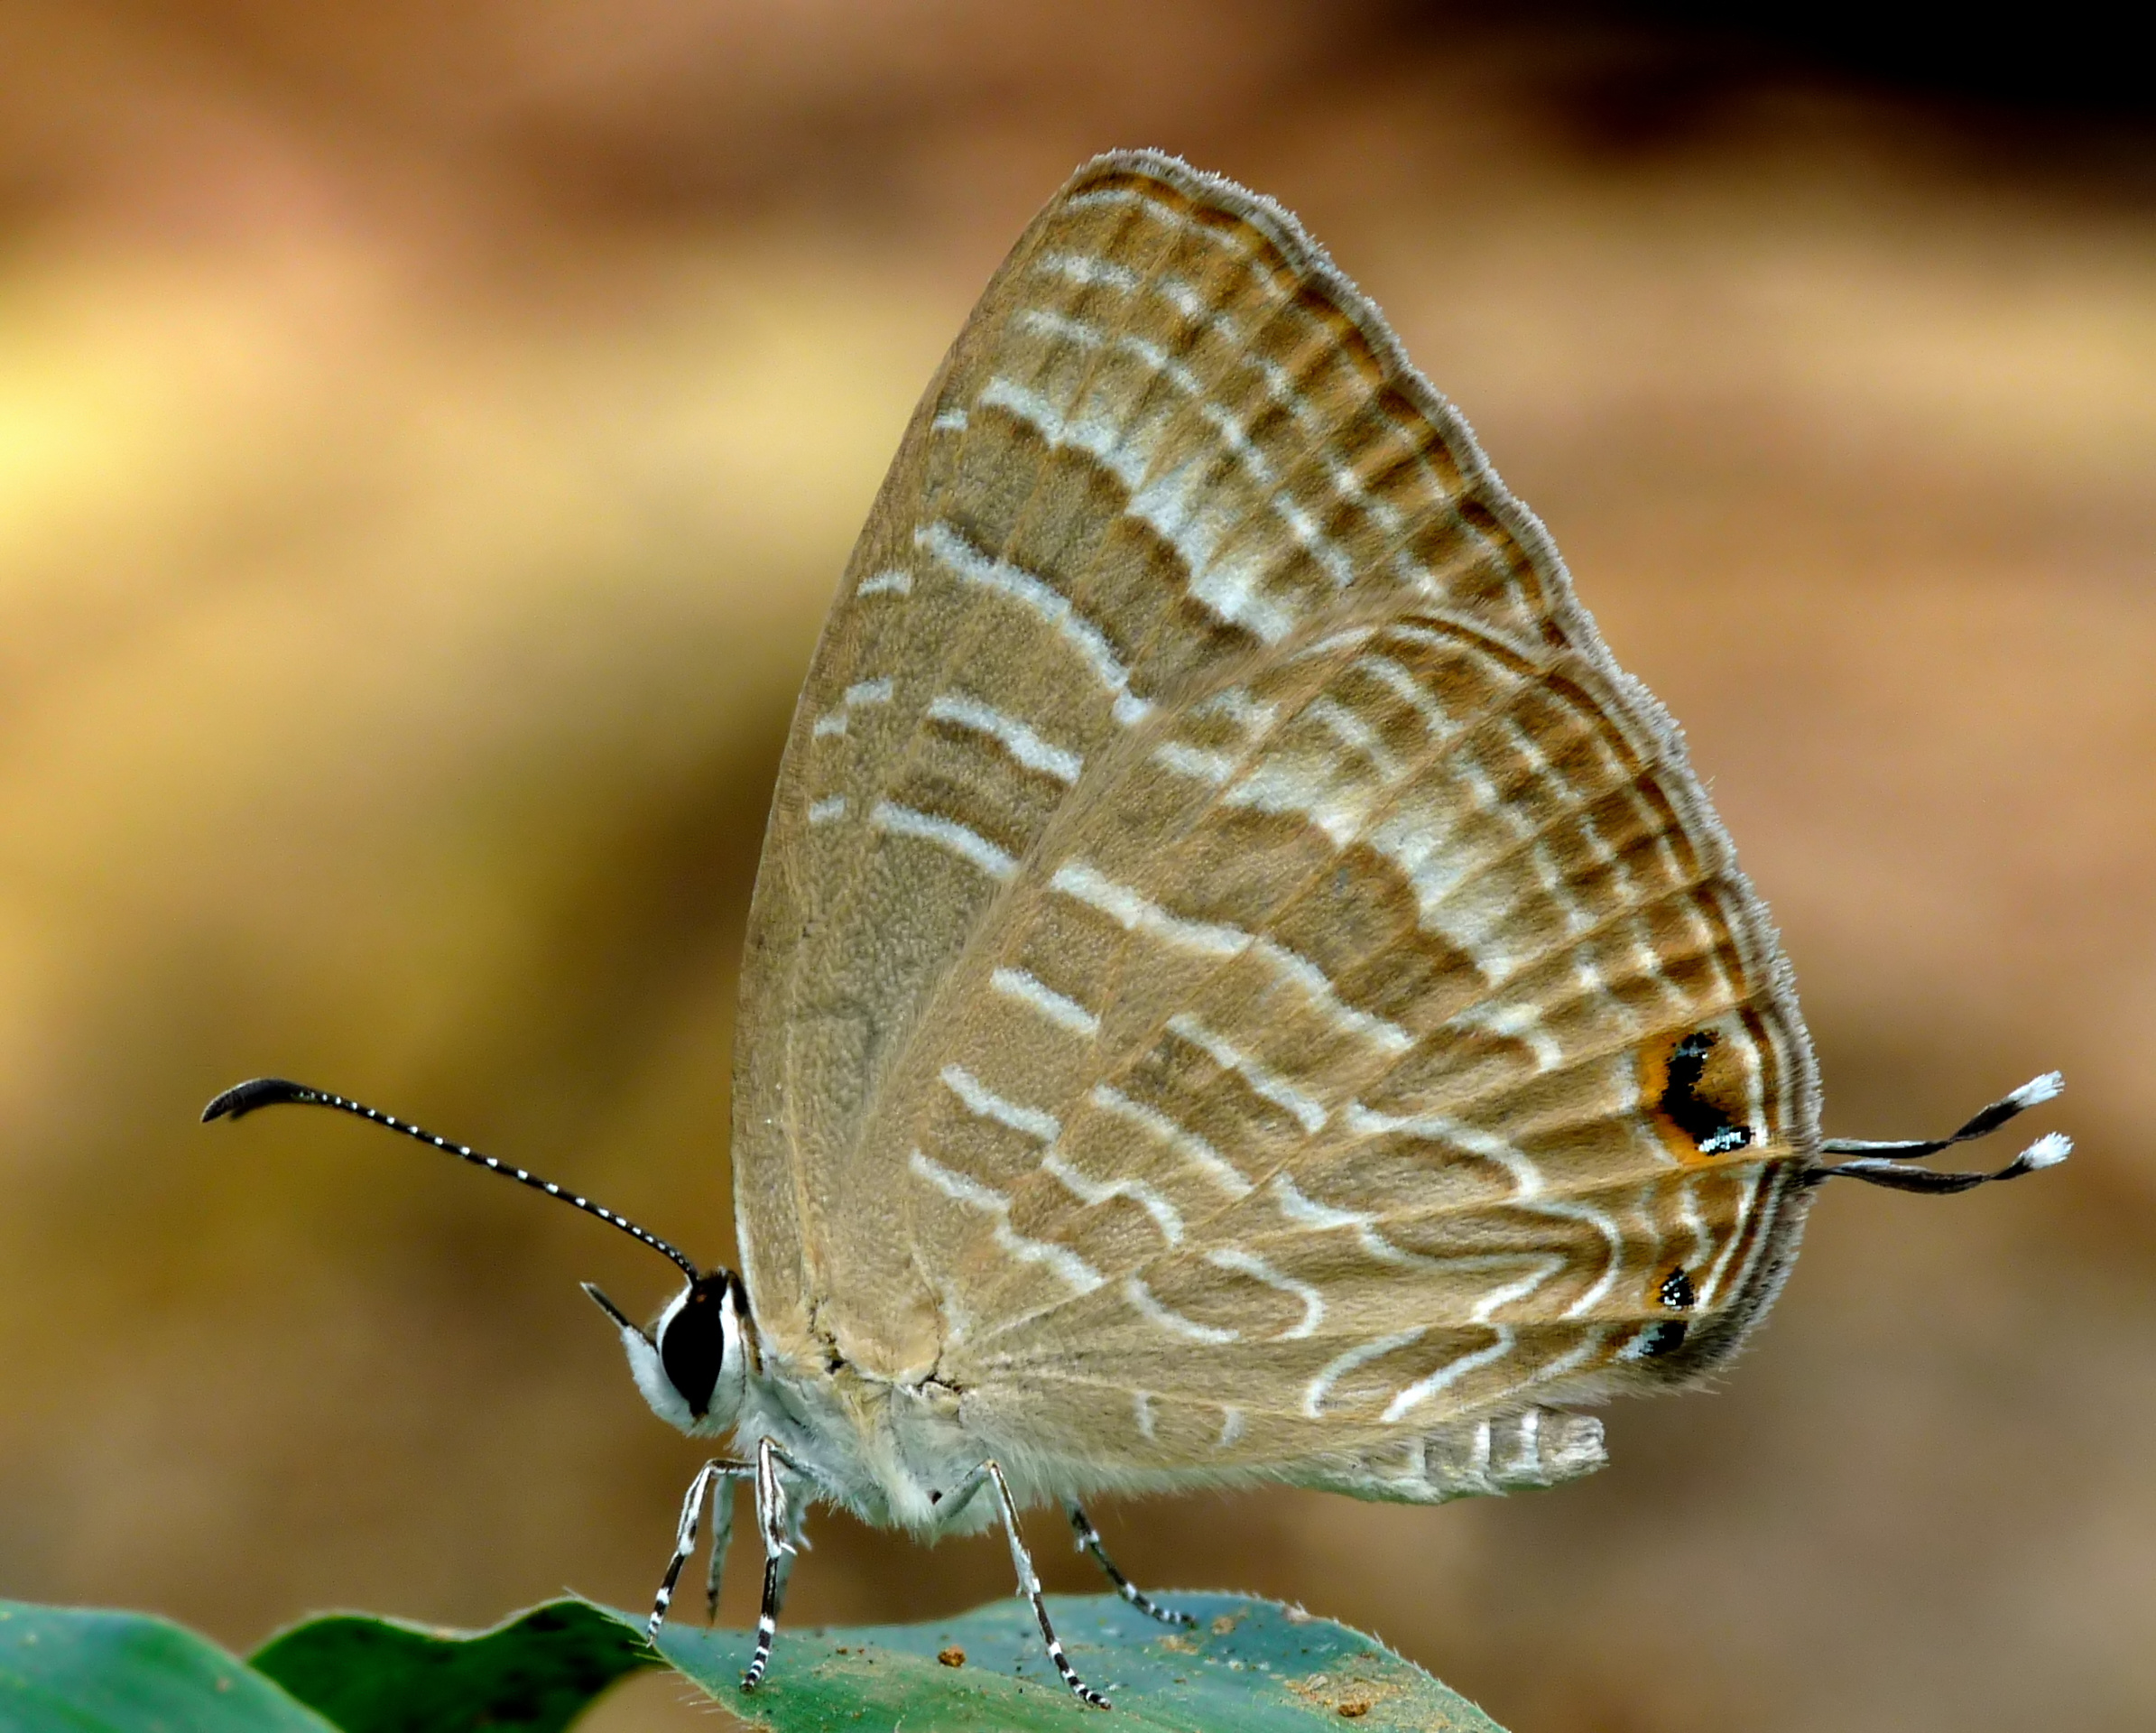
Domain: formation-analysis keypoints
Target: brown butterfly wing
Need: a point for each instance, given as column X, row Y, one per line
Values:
column 1238, row 977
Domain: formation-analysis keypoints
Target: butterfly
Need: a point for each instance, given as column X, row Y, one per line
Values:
column 1241, row 987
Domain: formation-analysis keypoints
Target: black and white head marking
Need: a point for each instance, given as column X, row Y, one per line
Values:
column 692, row 1364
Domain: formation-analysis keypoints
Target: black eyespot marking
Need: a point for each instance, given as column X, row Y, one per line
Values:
column 693, row 1345
column 1677, row 1292
column 1711, row 1132
column 1658, row 1339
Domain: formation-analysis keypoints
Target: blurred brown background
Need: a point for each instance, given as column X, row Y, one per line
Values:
column 429, row 437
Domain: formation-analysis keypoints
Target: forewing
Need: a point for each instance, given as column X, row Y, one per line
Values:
column 1236, row 970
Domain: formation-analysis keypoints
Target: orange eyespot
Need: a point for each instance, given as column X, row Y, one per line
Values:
column 1695, row 1090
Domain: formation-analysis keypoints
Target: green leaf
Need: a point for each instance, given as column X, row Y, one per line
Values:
column 1249, row 1666
column 69, row 1670
column 537, row 1672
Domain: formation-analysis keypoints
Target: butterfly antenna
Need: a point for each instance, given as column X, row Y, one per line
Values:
column 1877, row 1162
column 242, row 1099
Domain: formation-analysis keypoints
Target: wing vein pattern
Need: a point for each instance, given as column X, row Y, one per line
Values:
column 1228, row 933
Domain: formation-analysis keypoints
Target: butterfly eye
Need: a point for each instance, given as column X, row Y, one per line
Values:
column 695, row 1336
column 1677, row 1292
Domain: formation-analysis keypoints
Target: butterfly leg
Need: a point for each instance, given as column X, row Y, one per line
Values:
column 1029, row 1580
column 1088, row 1540
column 722, row 1541
column 718, row 1473
column 778, row 1527
column 796, row 1514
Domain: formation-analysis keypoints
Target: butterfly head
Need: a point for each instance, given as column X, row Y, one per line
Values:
column 692, row 1364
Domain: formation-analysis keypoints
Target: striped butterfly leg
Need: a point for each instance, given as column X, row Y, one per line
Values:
column 1029, row 1580
column 779, row 1529
column 716, row 1477
column 722, row 1541
column 1088, row 1540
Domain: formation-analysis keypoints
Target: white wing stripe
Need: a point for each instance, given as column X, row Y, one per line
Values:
column 1134, row 913
column 1450, row 1374
column 1085, row 268
column 1613, row 1238
column 1142, row 1301
column 1194, row 1149
column 969, row 564
column 1236, row 703
column 958, row 1187
column 1171, row 506
column 983, row 1103
column 1526, row 1177
column 1516, row 1021
column 1280, row 385
column 1214, row 768
column 1395, row 677
column 1710, row 1290
column 1249, row 1264
column 1268, row 1083
column 858, row 696
column 1695, row 1224
column 1306, row 1212
column 1315, row 1393
column 1233, row 434
column 1157, row 360
column 1063, row 1012
column 1278, row 783
column 1089, row 1191
column 1103, row 442
column 1175, row 505
column 1352, row 732
column 970, row 846
column 1381, row 1030
column 1013, row 736
column 1488, row 1306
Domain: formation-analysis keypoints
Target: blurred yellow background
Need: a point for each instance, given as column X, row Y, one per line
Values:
column 428, row 438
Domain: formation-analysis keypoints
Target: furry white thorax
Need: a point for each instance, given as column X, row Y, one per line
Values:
column 887, row 1452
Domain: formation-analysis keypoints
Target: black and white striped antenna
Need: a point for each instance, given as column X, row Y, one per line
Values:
column 244, row 1099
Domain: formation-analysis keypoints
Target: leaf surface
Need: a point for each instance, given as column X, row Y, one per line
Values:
column 1251, row 1665
column 537, row 1672
column 80, row 1670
